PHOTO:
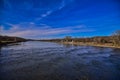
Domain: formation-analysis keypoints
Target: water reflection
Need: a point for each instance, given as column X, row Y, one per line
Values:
column 0, row 49
column 51, row 61
column 116, row 51
column 68, row 45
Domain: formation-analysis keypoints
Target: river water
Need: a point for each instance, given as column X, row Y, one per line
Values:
column 52, row 61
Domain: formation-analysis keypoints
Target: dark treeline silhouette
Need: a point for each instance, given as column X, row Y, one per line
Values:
column 7, row 39
column 113, row 40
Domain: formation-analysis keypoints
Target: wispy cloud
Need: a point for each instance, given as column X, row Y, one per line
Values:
column 1, row 29
column 47, row 13
column 42, row 31
column 62, row 5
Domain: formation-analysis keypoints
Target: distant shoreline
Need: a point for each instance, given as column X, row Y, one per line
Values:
column 69, row 43
column 7, row 42
column 90, row 44
column 4, row 43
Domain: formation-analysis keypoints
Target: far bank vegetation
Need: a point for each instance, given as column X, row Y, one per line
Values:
column 112, row 40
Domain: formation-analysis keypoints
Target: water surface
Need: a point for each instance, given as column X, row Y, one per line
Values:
column 52, row 61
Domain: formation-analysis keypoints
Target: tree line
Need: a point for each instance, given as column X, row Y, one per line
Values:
column 113, row 39
column 10, row 39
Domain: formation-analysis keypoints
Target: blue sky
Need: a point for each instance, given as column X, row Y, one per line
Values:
column 40, row 19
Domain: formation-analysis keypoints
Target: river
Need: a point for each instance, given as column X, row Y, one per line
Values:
column 35, row 60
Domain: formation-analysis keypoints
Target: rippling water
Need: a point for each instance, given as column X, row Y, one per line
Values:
column 51, row 61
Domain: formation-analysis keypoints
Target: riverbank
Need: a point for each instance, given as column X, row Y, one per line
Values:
column 109, row 45
column 3, row 43
column 5, row 40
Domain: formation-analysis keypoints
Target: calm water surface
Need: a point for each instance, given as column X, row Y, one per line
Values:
column 52, row 61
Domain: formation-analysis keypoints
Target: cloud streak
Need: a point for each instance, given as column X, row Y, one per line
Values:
column 47, row 13
column 62, row 5
column 42, row 31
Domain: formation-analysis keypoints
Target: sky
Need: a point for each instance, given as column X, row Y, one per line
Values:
column 44, row 19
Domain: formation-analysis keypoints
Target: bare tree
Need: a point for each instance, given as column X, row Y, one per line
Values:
column 116, row 38
column 68, row 38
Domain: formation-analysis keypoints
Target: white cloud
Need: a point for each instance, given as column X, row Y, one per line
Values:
column 63, row 4
column 1, row 29
column 46, row 14
column 42, row 31
column 14, row 27
column 51, row 11
column 31, row 22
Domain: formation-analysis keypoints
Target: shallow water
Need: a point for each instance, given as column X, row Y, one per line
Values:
column 52, row 61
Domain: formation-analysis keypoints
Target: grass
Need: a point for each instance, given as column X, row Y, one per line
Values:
column 92, row 44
